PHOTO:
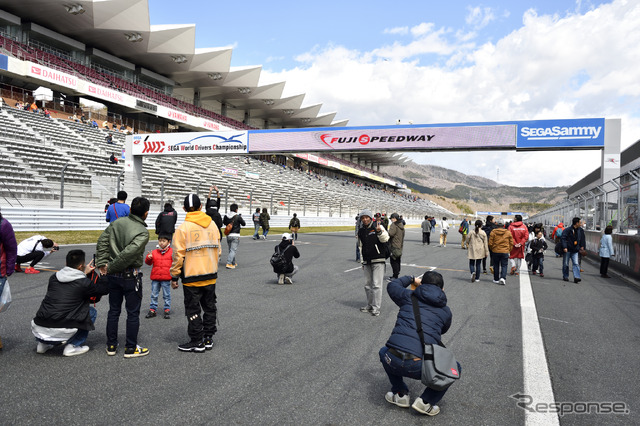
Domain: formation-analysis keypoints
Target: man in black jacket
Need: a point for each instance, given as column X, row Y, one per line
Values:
column 166, row 220
column 212, row 208
column 65, row 314
column 573, row 241
column 289, row 251
column 490, row 225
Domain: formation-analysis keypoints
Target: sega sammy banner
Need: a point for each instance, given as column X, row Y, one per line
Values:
column 203, row 143
column 386, row 138
column 574, row 133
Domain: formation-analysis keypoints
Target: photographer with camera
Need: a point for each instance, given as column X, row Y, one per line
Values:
column 33, row 250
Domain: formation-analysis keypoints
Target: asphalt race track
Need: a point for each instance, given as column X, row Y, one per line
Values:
column 304, row 354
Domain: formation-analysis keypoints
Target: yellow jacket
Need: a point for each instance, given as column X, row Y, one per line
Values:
column 196, row 248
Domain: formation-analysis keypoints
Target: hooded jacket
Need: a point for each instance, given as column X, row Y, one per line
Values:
column 196, row 249
column 500, row 240
column 166, row 221
column 372, row 244
column 520, row 236
column 66, row 304
column 434, row 313
column 290, row 251
column 122, row 244
column 8, row 248
column 478, row 245
column 555, row 230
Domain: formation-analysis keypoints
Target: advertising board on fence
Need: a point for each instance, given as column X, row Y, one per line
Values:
column 203, row 143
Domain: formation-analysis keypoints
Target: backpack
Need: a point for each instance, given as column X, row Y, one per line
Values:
column 278, row 260
column 559, row 232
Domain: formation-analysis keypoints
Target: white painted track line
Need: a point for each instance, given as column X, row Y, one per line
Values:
column 537, row 381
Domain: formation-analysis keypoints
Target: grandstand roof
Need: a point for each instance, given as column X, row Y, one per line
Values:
column 122, row 28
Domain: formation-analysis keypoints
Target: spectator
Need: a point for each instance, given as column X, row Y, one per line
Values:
column 557, row 232
column 489, row 226
column 119, row 208
column 396, row 239
column 119, row 255
column 161, row 259
column 520, row 237
column 46, row 113
column 426, row 231
column 109, row 139
column 264, row 222
column 94, row 124
column 233, row 237
column 105, row 124
column 573, row 242
column 256, row 223
column 65, row 314
column 358, row 226
column 33, row 250
column 478, row 247
column 8, row 253
column 294, row 226
column 500, row 244
column 289, row 251
column 464, row 231
column 83, row 119
column 605, row 251
column 111, row 201
column 213, row 207
column 372, row 239
column 75, row 117
column 166, row 221
column 538, row 245
column 34, row 107
column 444, row 230
column 113, row 159
column 402, row 354
column 195, row 261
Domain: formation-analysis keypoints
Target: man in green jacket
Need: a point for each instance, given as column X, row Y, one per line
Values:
column 119, row 255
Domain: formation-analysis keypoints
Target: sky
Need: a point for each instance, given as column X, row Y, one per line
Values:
column 429, row 62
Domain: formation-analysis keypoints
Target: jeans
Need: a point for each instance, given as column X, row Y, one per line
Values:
column 538, row 264
column 119, row 289
column 373, row 280
column 357, row 251
column 233, row 242
column 166, row 294
column 474, row 267
column 500, row 262
column 395, row 265
column 194, row 299
column 256, row 234
column 2, row 281
column 565, row 265
column 80, row 337
column 265, row 232
column 397, row 368
column 426, row 237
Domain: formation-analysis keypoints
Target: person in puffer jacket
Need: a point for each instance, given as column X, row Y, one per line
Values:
column 161, row 259
column 402, row 354
column 196, row 249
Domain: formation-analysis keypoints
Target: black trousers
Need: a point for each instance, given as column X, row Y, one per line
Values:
column 395, row 266
column 604, row 265
column 201, row 311
column 426, row 237
column 34, row 257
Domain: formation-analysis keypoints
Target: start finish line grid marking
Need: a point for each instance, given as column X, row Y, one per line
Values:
column 537, row 381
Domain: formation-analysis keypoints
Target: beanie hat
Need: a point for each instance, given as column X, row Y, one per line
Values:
column 366, row 212
column 192, row 200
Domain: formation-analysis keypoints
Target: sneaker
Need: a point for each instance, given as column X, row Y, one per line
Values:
column 31, row 270
column 230, row 266
column 112, row 350
column 541, row 275
column 18, row 268
column 400, row 401
column 503, row 281
column 365, row 309
column 192, row 346
column 473, row 277
column 576, row 280
column 151, row 313
column 485, row 271
column 534, row 272
column 603, row 275
column 565, row 279
column 135, row 352
column 513, row 270
column 477, row 281
column 72, row 350
column 375, row 313
column 287, row 280
column 280, row 279
column 43, row 347
column 208, row 342
column 167, row 314
column 425, row 408
column 491, row 269
column 496, row 282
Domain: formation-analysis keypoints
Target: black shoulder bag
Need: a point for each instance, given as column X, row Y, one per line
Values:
column 439, row 365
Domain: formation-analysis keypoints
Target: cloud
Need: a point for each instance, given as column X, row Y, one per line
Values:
column 479, row 17
column 576, row 65
column 397, row 30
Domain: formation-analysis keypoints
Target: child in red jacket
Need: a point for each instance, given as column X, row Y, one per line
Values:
column 161, row 259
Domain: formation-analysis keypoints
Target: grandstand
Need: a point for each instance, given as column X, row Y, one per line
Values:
column 63, row 49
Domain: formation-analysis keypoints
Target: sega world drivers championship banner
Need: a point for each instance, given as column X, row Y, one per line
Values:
column 190, row 143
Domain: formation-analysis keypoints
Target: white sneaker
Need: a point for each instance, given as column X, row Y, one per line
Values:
column 425, row 408
column 43, row 347
column 71, row 350
column 477, row 281
column 503, row 281
column 288, row 280
column 496, row 282
column 366, row 309
column 400, row 401
column 280, row 278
